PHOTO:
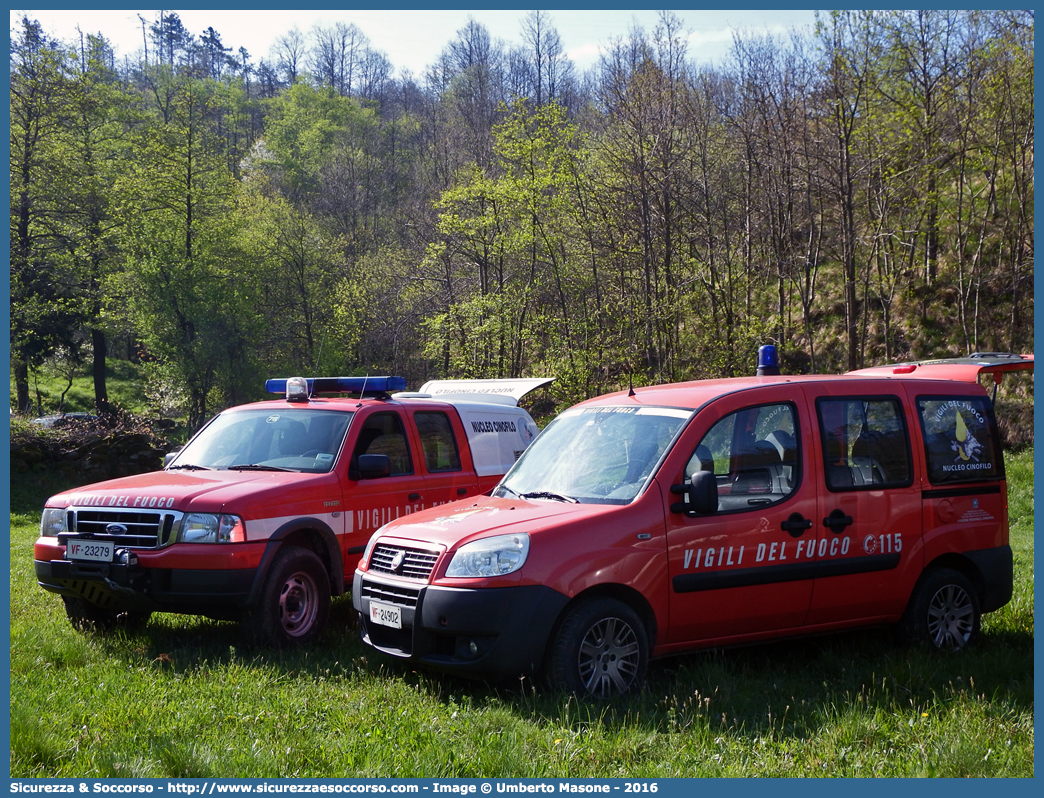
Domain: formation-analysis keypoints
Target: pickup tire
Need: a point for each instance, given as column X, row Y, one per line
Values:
column 943, row 611
column 294, row 603
column 600, row 649
column 87, row 617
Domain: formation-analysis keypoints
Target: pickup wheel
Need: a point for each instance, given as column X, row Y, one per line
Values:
column 601, row 650
column 294, row 602
column 87, row 617
column 943, row 611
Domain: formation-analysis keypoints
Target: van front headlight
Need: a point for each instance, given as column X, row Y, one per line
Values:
column 495, row 556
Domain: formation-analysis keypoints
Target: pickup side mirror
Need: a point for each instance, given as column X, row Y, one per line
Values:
column 699, row 497
column 374, row 466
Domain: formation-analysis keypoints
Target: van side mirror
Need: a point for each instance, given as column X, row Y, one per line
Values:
column 699, row 497
column 374, row 466
column 168, row 458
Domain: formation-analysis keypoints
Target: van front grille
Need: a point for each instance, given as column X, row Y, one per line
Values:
column 405, row 562
column 391, row 594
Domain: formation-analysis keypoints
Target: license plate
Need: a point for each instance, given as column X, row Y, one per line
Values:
column 95, row 550
column 386, row 614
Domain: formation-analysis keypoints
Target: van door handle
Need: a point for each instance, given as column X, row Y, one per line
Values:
column 796, row 525
column 837, row 521
column 413, row 497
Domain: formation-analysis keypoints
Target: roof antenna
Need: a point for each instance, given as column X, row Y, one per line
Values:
column 362, row 393
column 630, row 384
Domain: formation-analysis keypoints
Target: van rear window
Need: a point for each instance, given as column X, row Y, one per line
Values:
column 960, row 439
column 865, row 443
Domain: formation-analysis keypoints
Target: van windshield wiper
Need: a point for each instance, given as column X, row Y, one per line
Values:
column 546, row 494
column 256, row 467
column 189, row 467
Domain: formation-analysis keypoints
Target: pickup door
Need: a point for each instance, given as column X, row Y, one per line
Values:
column 428, row 468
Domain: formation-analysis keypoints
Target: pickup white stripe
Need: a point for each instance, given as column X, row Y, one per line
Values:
column 264, row 528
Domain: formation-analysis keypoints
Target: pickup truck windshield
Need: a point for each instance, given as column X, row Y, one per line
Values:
column 595, row 455
column 268, row 439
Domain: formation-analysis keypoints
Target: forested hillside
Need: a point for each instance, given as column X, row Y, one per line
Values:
column 857, row 196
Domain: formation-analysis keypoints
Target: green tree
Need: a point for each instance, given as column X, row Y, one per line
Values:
column 189, row 303
column 95, row 151
column 44, row 310
column 519, row 277
column 296, row 266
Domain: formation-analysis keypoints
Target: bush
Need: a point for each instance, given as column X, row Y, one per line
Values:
column 1015, row 420
column 91, row 449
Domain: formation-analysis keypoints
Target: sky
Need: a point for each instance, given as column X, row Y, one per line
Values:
column 413, row 39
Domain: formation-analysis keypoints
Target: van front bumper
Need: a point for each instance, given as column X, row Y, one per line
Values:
column 479, row 632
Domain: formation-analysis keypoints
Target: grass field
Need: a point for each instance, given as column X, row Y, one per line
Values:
column 185, row 698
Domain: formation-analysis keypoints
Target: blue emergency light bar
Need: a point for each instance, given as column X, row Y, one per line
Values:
column 366, row 386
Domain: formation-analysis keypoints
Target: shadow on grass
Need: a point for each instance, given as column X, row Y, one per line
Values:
column 791, row 688
column 29, row 490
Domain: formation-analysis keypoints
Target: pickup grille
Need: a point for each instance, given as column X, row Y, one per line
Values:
column 404, row 562
column 132, row 529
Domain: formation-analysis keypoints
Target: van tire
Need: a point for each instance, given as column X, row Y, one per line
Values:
column 600, row 650
column 943, row 612
column 295, row 601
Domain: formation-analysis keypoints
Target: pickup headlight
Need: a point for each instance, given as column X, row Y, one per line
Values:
column 211, row 528
column 52, row 521
column 495, row 556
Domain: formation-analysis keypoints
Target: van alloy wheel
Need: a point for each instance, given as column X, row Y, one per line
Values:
column 943, row 611
column 608, row 658
column 951, row 618
column 600, row 650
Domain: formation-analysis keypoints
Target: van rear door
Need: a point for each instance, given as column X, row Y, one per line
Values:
column 965, row 493
column 868, row 526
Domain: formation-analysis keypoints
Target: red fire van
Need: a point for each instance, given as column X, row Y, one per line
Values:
column 710, row 513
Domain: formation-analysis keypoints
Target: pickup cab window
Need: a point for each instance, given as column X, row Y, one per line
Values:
column 383, row 433
column 438, row 442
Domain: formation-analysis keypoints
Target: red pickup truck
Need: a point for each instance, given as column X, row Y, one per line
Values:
column 711, row 513
column 263, row 515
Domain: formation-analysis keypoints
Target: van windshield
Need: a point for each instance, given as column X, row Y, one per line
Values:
column 270, row 439
column 595, row 455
